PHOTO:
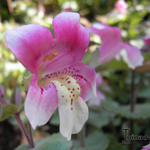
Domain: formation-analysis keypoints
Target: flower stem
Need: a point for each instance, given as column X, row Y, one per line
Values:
column 133, row 92
column 133, row 98
column 30, row 133
column 132, row 104
column 17, row 117
column 81, row 137
column 134, row 3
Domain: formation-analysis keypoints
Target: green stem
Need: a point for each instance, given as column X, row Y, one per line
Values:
column 30, row 133
column 133, row 98
column 134, row 3
column 132, row 104
column 81, row 137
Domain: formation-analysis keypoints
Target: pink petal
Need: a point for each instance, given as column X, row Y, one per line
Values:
column 85, row 76
column 40, row 103
column 98, row 80
column 70, row 35
column 147, row 40
column 96, row 101
column 28, row 43
column 121, row 6
column 72, row 120
column 110, row 37
column 132, row 56
column 147, row 147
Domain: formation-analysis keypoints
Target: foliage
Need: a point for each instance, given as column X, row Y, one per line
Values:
column 95, row 141
column 55, row 142
column 7, row 111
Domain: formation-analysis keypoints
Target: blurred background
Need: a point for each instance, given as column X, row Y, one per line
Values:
column 103, row 130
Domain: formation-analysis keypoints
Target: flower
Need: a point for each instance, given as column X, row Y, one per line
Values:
column 59, row 78
column 121, row 6
column 112, row 46
column 147, row 40
column 96, row 101
column 147, row 147
column 131, row 55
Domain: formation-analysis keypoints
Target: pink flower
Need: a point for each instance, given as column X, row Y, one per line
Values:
column 147, row 147
column 59, row 79
column 121, row 6
column 96, row 101
column 112, row 46
column 147, row 40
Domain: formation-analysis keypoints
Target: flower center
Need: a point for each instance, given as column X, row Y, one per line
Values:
column 68, row 89
column 53, row 53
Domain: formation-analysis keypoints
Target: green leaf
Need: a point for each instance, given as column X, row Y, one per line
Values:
column 22, row 147
column 144, row 92
column 98, row 120
column 7, row 111
column 114, row 144
column 54, row 142
column 142, row 111
column 95, row 141
column 146, row 56
column 116, row 64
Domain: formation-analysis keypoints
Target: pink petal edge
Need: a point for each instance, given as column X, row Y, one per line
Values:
column 132, row 56
column 110, row 46
column 40, row 103
column 28, row 43
column 70, row 35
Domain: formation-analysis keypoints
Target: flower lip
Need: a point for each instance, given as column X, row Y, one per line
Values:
column 84, row 75
column 67, row 88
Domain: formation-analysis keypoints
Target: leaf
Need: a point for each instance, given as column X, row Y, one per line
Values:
column 142, row 111
column 146, row 56
column 23, row 147
column 54, row 142
column 98, row 120
column 144, row 92
column 7, row 110
column 95, row 141
column 115, row 64
column 114, row 144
